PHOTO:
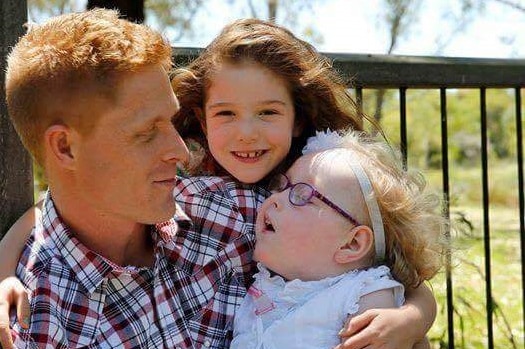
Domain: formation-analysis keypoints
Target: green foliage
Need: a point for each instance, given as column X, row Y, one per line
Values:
column 173, row 17
column 464, row 125
column 39, row 179
column 469, row 287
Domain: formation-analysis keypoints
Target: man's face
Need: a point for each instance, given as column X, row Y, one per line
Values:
column 126, row 166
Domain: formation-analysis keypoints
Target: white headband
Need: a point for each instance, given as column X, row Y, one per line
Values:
column 332, row 140
column 373, row 209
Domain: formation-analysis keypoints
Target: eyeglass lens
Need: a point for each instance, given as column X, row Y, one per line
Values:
column 300, row 194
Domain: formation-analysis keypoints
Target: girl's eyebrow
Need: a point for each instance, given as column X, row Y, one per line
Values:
column 219, row 105
column 273, row 101
column 227, row 104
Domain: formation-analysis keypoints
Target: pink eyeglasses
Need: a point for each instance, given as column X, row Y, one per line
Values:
column 301, row 194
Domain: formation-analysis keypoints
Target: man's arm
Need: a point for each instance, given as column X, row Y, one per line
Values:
column 12, row 292
column 397, row 328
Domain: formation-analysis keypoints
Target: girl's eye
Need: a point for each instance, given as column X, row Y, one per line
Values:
column 268, row 112
column 224, row 113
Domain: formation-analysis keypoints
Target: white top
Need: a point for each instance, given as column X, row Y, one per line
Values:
column 276, row 314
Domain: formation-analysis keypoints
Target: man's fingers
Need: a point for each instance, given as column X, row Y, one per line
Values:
column 12, row 293
column 22, row 308
column 5, row 334
column 6, row 341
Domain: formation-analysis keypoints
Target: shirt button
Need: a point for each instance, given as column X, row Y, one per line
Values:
column 207, row 344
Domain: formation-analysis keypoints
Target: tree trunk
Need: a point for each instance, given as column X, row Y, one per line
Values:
column 272, row 10
column 132, row 10
column 16, row 175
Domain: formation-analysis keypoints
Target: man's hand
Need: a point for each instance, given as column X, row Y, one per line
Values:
column 12, row 293
column 377, row 329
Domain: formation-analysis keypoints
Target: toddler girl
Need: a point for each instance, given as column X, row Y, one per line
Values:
column 343, row 218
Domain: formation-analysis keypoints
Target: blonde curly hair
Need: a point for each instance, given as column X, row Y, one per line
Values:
column 412, row 215
column 70, row 56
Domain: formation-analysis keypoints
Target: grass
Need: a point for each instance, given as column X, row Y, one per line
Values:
column 468, row 261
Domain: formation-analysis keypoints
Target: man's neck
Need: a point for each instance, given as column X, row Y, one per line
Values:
column 121, row 241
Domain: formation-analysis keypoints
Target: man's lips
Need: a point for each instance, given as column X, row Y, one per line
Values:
column 166, row 182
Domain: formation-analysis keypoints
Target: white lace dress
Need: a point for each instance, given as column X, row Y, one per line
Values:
column 276, row 314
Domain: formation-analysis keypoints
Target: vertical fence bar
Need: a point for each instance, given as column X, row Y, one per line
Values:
column 521, row 195
column 359, row 101
column 359, row 97
column 403, row 124
column 486, row 223
column 16, row 175
column 446, row 212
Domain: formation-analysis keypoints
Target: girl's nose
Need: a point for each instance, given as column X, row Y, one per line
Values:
column 276, row 199
column 248, row 130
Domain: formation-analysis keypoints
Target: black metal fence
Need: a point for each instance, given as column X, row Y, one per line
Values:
column 446, row 75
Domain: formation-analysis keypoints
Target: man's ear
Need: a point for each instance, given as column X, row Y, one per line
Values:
column 359, row 242
column 59, row 140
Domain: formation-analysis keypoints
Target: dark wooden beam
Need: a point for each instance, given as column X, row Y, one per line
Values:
column 16, row 175
column 132, row 10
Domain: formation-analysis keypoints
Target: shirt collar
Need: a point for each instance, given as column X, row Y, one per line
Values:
column 90, row 268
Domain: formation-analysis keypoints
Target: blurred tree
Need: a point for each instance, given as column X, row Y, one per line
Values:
column 40, row 9
column 398, row 14
column 173, row 17
column 513, row 4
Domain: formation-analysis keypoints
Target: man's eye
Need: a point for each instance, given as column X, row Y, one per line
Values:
column 147, row 136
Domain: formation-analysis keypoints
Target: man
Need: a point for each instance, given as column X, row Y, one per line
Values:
column 89, row 95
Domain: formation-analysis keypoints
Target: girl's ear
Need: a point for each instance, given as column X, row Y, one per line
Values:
column 59, row 143
column 199, row 114
column 358, row 244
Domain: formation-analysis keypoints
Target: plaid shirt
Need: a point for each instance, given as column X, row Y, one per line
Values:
column 186, row 300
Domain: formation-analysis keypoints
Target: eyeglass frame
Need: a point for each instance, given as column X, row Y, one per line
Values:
column 314, row 193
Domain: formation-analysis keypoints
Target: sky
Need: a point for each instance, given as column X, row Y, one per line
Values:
column 355, row 26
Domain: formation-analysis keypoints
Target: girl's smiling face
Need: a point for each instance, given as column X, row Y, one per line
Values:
column 250, row 120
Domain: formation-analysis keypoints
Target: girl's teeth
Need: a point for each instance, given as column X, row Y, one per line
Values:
column 249, row 155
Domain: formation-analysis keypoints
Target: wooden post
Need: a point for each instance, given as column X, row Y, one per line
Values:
column 16, row 175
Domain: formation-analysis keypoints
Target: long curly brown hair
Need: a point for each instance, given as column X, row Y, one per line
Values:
column 321, row 100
